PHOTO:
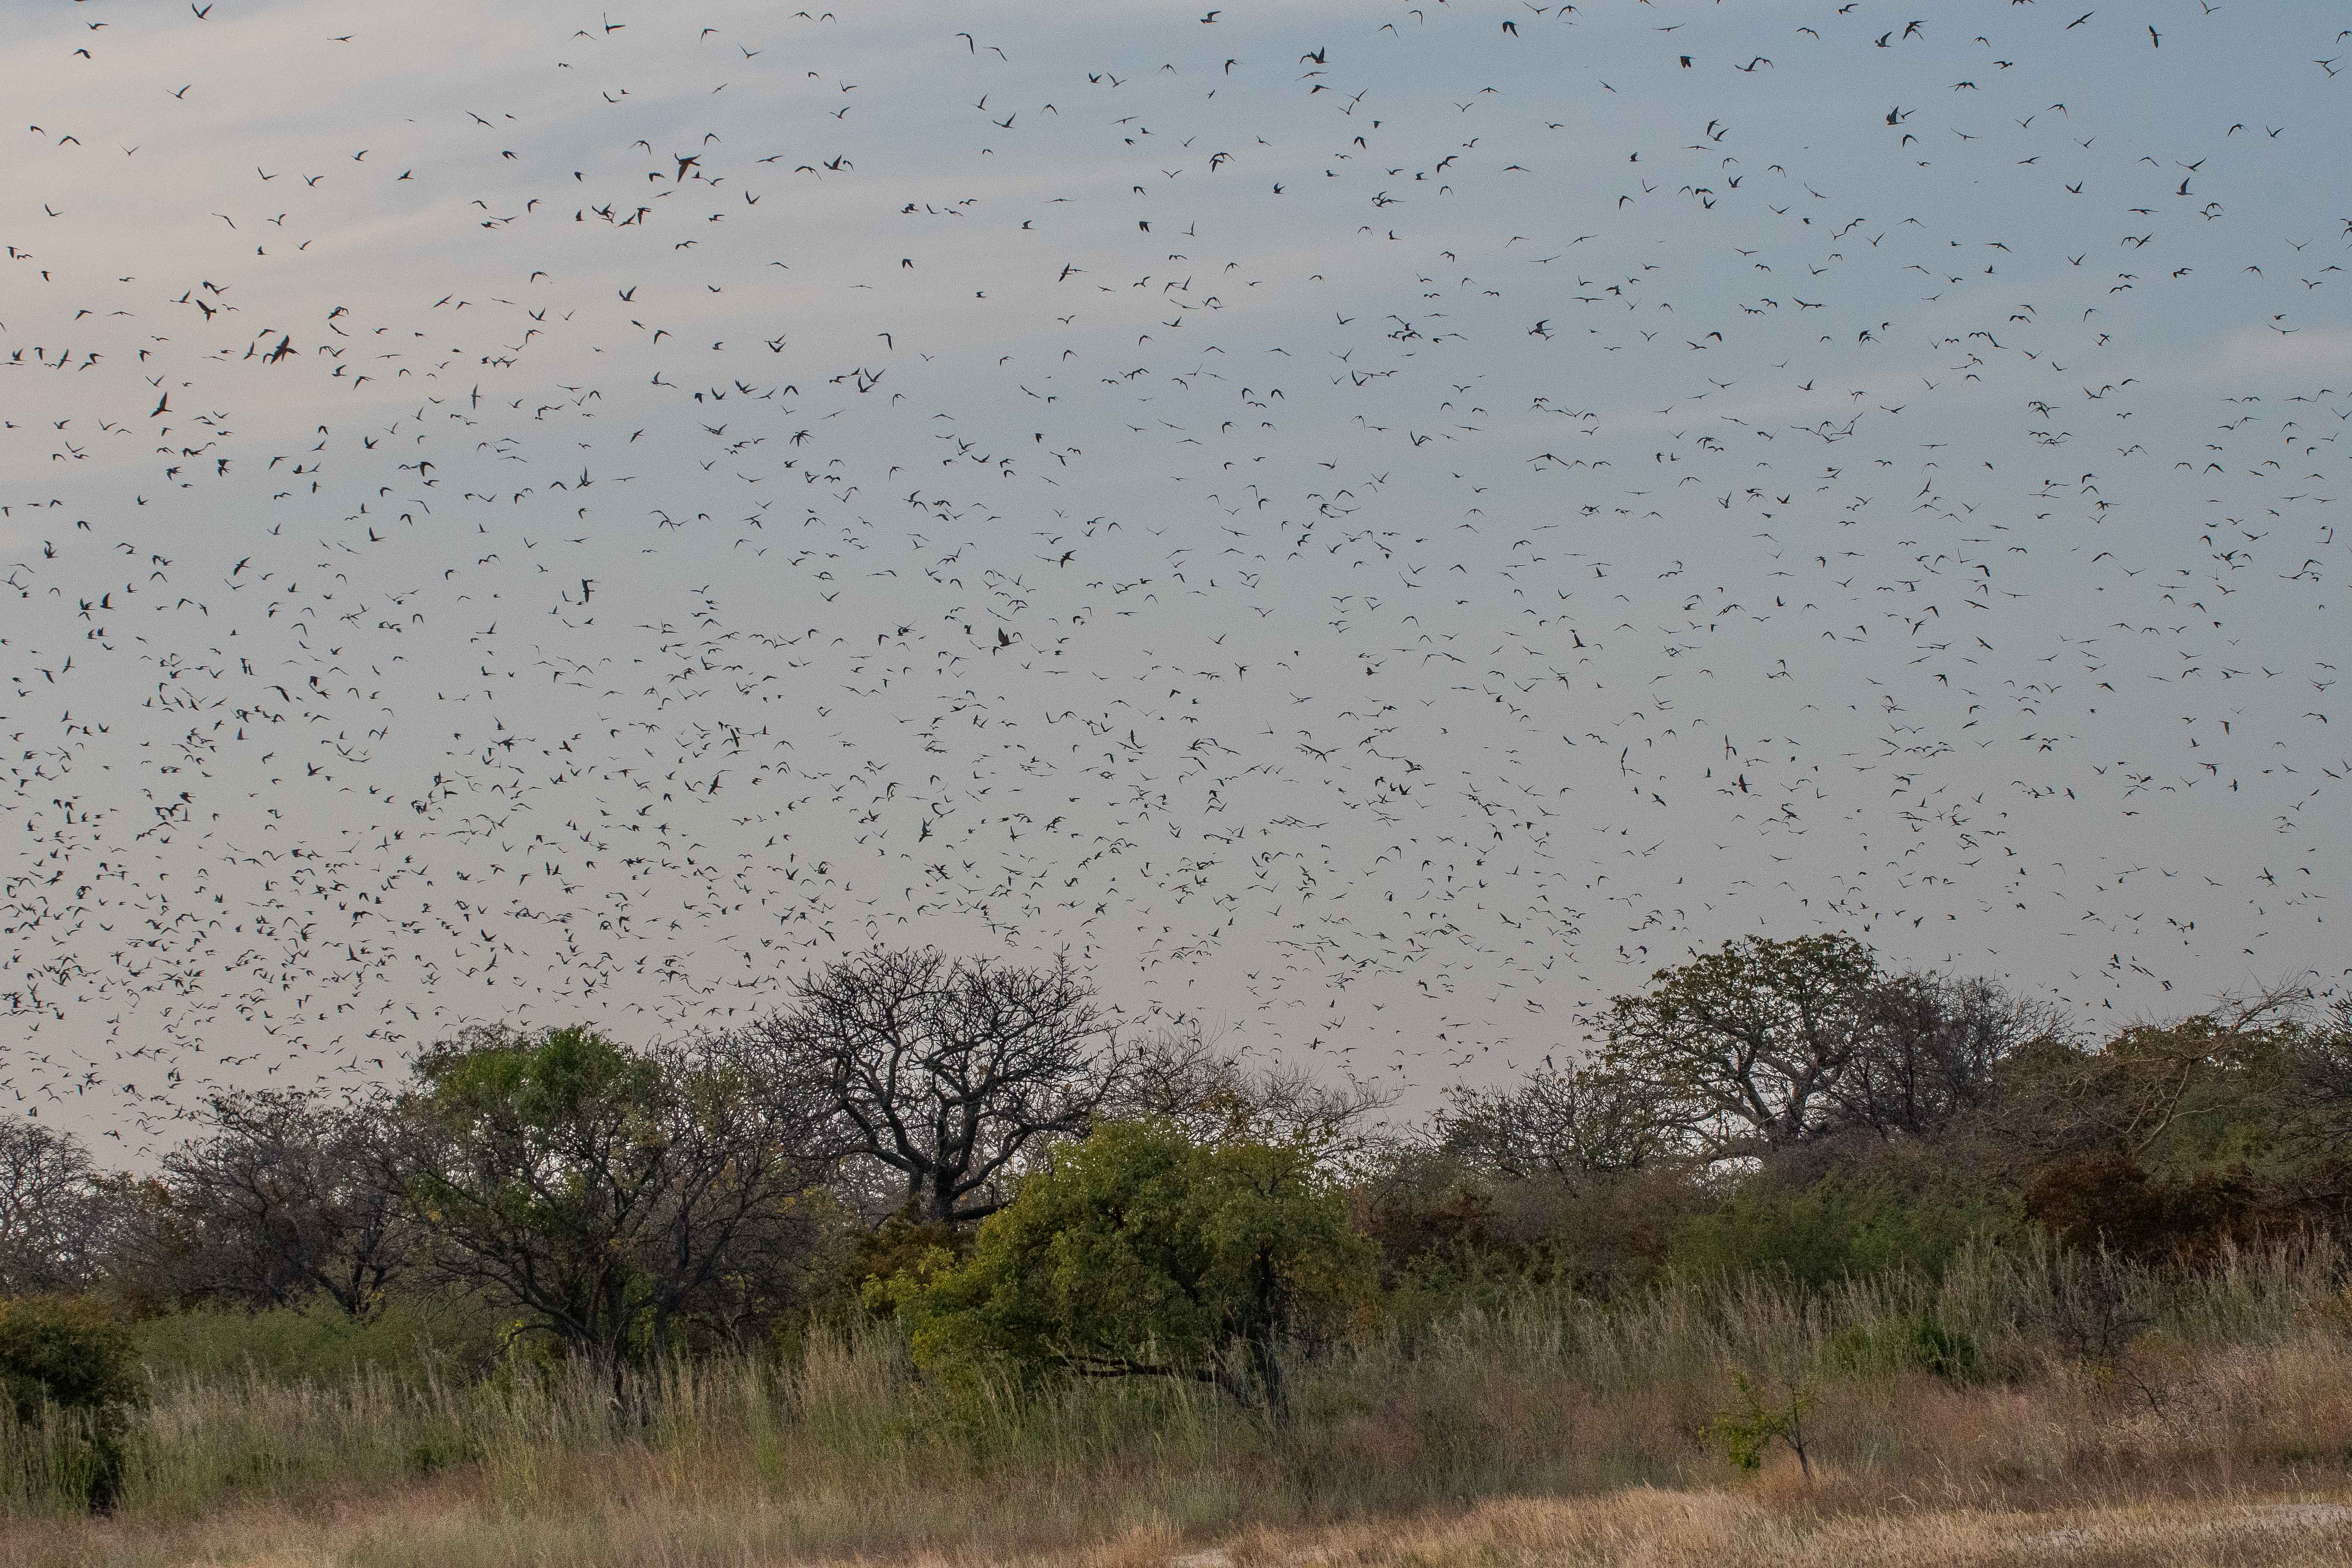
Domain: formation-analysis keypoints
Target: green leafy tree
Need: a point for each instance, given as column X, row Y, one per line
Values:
column 2244, row 1089
column 1749, row 1045
column 616, row 1198
column 1139, row 1252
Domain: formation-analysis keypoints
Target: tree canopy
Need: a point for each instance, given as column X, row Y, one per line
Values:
column 1139, row 1252
column 948, row 1072
column 615, row 1196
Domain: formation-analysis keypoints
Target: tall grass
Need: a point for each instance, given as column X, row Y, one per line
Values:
column 2012, row 1373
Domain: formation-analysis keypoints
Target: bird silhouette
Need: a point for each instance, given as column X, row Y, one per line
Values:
column 649, row 526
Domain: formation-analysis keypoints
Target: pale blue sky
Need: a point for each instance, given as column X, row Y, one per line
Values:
column 1374, row 526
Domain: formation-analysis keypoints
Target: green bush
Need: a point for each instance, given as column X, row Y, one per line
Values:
column 1141, row 1253
column 1920, row 1343
column 319, row 1343
column 901, row 1247
column 65, row 1351
column 1835, row 1230
column 67, row 1368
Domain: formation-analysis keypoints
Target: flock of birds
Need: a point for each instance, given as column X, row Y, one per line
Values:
column 1372, row 526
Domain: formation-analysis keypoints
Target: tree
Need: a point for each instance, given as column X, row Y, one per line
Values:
column 139, row 1246
column 947, row 1073
column 1930, row 1051
column 293, row 1194
column 1750, row 1045
column 1215, row 1094
column 1141, row 1253
column 47, row 1194
column 1567, row 1124
column 2319, row 1073
column 619, row 1197
column 2250, row 1068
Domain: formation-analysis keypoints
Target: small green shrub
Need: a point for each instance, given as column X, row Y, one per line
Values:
column 1765, row 1413
column 438, row 1451
column 1914, row 1343
column 66, row 1369
column 70, row 1351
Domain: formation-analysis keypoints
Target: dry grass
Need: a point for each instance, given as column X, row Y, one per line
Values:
column 1778, row 1523
column 1646, row 1527
column 2070, row 1415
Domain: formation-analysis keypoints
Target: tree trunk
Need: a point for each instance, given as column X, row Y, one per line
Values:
column 938, row 1207
column 1264, row 1361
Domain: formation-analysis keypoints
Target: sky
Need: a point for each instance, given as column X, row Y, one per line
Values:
column 1370, row 528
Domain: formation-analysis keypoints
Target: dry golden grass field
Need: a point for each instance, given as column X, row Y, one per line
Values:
column 2018, row 1409
column 1769, row 1524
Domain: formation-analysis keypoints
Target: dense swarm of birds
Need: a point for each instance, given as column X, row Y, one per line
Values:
column 1370, row 525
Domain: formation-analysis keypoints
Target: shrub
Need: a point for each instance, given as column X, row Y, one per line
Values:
column 1765, row 1413
column 900, row 1249
column 66, row 1364
column 1832, row 1229
column 1922, row 1343
column 319, row 1343
column 1141, row 1253
column 66, row 1351
column 2108, row 1200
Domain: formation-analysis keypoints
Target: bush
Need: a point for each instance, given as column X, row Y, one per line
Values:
column 1141, row 1253
column 1426, row 1211
column 900, row 1248
column 319, row 1343
column 1915, row 1343
column 1833, row 1229
column 66, row 1366
column 2108, row 1200
column 66, row 1351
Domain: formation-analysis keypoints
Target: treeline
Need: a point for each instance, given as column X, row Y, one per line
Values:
column 978, row 1150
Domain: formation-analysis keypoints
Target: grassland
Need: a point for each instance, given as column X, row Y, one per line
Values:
column 2024, row 1407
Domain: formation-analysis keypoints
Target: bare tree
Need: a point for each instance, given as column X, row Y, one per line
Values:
column 1217, row 1095
column 1930, row 1051
column 945, row 1071
column 47, row 1196
column 1565, row 1123
column 292, row 1192
column 2320, row 1081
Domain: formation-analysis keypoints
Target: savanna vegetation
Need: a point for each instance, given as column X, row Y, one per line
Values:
column 1804, row 1258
